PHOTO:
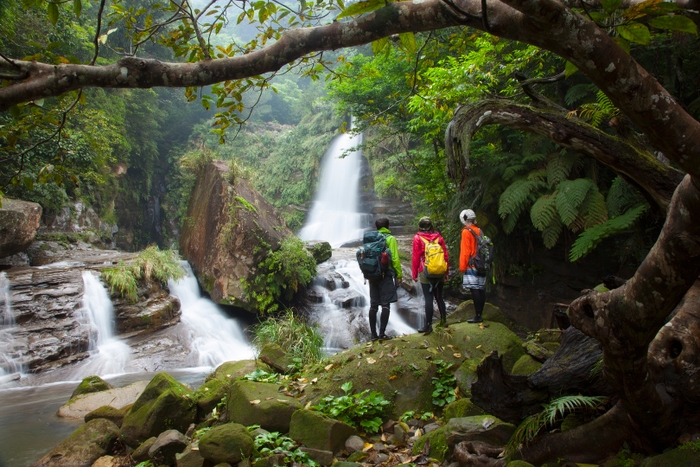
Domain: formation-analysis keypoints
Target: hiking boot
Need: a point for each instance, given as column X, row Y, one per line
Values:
column 443, row 323
column 375, row 337
column 476, row 319
column 384, row 337
column 426, row 330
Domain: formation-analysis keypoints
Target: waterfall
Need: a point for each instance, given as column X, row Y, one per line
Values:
column 214, row 338
column 10, row 350
column 334, row 215
column 109, row 355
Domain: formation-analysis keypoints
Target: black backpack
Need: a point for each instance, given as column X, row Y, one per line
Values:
column 484, row 254
column 373, row 256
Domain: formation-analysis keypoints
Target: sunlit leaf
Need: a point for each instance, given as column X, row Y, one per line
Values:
column 635, row 32
column 28, row 182
column 379, row 45
column 674, row 23
column 77, row 7
column 611, row 5
column 570, row 69
column 408, row 41
column 361, row 7
column 624, row 44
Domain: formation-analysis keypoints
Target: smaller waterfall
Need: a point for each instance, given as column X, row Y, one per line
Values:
column 334, row 215
column 214, row 337
column 109, row 354
column 10, row 352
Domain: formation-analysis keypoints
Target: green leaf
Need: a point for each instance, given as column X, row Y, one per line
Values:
column 408, row 41
column 347, row 386
column 570, row 69
column 14, row 111
column 29, row 183
column 674, row 23
column 635, row 32
column 624, row 44
column 77, row 7
column 360, row 8
column 53, row 13
column 379, row 45
column 611, row 5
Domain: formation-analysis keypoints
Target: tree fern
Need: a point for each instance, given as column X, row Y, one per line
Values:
column 539, row 157
column 590, row 238
column 514, row 200
column 578, row 93
column 593, row 209
column 551, row 233
column 553, row 412
column 571, row 194
column 544, row 211
column 559, row 167
column 622, row 196
column 602, row 109
column 539, row 175
column 513, row 170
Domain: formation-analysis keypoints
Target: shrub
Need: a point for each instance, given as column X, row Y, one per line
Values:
column 293, row 334
column 363, row 411
column 280, row 276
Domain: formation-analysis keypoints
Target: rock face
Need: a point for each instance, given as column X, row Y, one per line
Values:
column 229, row 228
column 19, row 221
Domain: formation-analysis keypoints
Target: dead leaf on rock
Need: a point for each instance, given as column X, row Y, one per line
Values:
column 269, row 398
column 314, row 381
column 381, row 354
column 451, row 346
column 478, row 346
column 457, row 355
column 328, row 367
column 367, row 447
column 392, row 377
column 371, row 361
column 255, row 402
column 359, row 363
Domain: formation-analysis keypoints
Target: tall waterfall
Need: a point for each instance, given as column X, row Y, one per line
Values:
column 213, row 337
column 334, row 215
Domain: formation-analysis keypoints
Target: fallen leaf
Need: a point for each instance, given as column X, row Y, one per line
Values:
column 228, row 376
column 433, row 351
column 451, row 346
column 381, row 354
column 269, row 398
column 328, row 367
column 457, row 355
column 359, row 363
column 392, row 377
column 371, row 361
column 367, row 447
column 308, row 404
column 478, row 346
column 282, row 400
column 255, row 402
column 206, row 389
column 314, row 381
column 440, row 348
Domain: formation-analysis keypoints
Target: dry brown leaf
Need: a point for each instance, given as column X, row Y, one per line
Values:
column 367, row 447
column 478, row 346
column 392, row 377
column 359, row 363
column 381, row 354
column 314, row 381
column 255, row 402
column 328, row 367
column 371, row 361
column 457, row 355
column 451, row 346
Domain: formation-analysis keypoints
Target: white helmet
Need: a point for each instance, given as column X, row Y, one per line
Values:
column 467, row 215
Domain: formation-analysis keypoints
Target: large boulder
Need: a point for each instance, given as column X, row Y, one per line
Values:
column 228, row 230
column 19, row 221
column 314, row 430
column 165, row 404
column 229, row 443
column 253, row 403
column 81, row 449
column 81, row 405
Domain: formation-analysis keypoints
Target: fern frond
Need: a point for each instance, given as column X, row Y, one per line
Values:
column 510, row 221
column 605, row 105
column 559, row 167
column 539, row 157
column 513, row 170
column 537, row 176
column 578, row 93
column 593, row 209
column 544, row 211
column 551, row 233
column 621, row 197
column 516, row 195
column 571, row 194
column 590, row 238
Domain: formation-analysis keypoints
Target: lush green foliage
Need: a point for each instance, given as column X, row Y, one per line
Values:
column 280, row 276
column 363, row 410
column 444, row 384
column 293, row 334
column 553, row 412
column 262, row 376
column 270, row 444
column 151, row 264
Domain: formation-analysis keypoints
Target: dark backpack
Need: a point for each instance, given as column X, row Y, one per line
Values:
column 373, row 256
column 483, row 258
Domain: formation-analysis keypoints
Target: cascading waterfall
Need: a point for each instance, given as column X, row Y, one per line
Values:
column 109, row 355
column 334, row 215
column 10, row 354
column 214, row 338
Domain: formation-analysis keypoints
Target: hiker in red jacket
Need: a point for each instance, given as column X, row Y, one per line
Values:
column 467, row 250
column 432, row 286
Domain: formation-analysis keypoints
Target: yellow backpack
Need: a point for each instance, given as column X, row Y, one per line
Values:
column 434, row 263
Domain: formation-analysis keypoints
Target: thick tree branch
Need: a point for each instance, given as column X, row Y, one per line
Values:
column 657, row 180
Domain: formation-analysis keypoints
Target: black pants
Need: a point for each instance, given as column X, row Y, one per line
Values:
column 479, row 297
column 382, row 292
column 431, row 291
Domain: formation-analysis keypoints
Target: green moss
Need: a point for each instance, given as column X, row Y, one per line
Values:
column 89, row 385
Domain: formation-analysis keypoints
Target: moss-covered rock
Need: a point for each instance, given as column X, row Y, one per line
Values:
column 165, row 404
column 81, row 449
column 537, row 351
column 485, row 428
column 461, row 408
column 466, row 375
column 519, row 464
column 208, row 397
column 254, row 403
column 89, row 385
column 402, row 369
column 320, row 250
column 314, row 430
column 231, row 371
column 229, row 443
column 526, row 365
column 274, row 356
column 108, row 412
column 491, row 313
column 679, row 457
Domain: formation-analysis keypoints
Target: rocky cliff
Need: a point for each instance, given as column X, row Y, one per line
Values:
column 228, row 230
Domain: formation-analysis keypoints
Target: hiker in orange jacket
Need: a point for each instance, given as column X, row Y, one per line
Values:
column 467, row 250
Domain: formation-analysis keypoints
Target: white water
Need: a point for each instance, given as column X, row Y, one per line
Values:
column 109, row 355
column 214, row 338
column 334, row 215
column 10, row 351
